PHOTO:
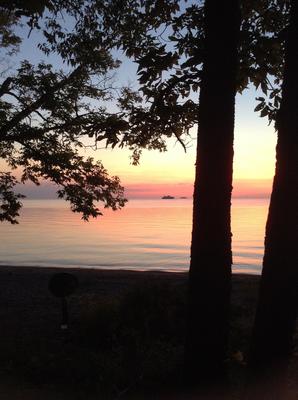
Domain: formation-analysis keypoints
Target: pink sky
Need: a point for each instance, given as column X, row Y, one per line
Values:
column 242, row 189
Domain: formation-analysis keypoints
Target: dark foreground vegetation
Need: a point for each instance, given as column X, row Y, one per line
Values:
column 125, row 341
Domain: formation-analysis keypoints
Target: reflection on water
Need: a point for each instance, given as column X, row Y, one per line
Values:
column 146, row 234
column 248, row 226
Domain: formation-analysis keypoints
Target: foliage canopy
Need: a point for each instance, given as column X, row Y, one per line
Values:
column 45, row 112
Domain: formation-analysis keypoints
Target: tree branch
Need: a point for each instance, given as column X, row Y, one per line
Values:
column 180, row 141
column 20, row 100
column 37, row 103
column 5, row 86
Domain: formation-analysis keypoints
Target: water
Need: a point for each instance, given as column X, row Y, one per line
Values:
column 146, row 234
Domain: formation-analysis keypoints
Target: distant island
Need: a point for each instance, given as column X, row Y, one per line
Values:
column 183, row 197
column 168, row 197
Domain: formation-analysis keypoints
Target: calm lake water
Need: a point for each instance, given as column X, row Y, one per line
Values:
column 146, row 234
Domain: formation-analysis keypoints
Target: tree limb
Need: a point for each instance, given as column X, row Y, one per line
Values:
column 37, row 103
column 5, row 86
column 180, row 141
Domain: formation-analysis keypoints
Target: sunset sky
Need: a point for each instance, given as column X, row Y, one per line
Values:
column 173, row 172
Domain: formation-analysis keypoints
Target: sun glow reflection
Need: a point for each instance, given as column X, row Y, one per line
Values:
column 146, row 234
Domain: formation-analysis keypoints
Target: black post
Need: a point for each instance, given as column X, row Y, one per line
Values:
column 64, row 324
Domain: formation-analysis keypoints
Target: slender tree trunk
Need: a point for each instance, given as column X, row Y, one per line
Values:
column 277, row 304
column 211, row 255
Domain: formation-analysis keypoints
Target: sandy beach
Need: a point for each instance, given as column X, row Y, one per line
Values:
column 31, row 344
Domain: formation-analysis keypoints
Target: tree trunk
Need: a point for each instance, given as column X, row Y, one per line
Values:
column 211, row 255
column 277, row 305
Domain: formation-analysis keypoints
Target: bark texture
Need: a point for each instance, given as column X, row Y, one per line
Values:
column 211, row 255
column 277, row 304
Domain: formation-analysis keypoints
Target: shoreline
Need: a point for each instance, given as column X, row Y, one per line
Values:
column 24, row 291
column 117, row 269
column 20, row 283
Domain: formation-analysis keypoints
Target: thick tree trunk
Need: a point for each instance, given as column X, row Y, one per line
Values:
column 211, row 255
column 277, row 305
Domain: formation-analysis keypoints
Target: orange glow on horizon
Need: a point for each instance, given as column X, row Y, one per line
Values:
column 241, row 189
